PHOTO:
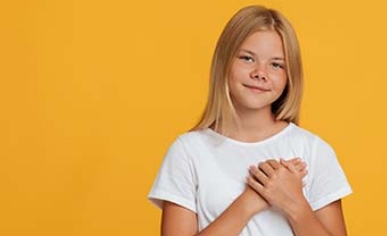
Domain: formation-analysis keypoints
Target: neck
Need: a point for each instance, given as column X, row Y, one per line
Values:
column 253, row 126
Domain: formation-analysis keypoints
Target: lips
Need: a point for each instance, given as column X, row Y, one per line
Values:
column 257, row 88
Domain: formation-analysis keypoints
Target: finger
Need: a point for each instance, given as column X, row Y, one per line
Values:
column 290, row 167
column 258, row 175
column 300, row 166
column 274, row 164
column 303, row 173
column 266, row 168
column 286, row 163
column 254, row 184
column 296, row 162
column 292, row 161
column 301, row 169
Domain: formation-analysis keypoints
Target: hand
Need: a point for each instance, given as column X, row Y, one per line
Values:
column 295, row 165
column 279, row 183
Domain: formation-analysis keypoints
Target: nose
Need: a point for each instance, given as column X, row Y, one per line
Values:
column 259, row 72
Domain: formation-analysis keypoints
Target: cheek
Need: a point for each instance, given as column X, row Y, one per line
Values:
column 234, row 75
column 239, row 71
column 231, row 87
column 279, row 82
column 233, row 81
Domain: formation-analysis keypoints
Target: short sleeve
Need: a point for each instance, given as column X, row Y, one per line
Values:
column 327, row 181
column 175, row 181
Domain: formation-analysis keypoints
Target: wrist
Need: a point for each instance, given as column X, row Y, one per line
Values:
column 252, row 202
column 298, row 210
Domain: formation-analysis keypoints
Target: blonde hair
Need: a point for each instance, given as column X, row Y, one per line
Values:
column 219, row 111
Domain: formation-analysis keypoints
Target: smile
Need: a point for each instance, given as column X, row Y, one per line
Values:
column 257, row 88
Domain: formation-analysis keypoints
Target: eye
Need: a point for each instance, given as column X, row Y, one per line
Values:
column 246, row 58
column 277, row 65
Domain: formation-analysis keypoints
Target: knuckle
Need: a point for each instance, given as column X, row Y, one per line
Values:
column 272, row 162
column 261, row 165
column 253, row 171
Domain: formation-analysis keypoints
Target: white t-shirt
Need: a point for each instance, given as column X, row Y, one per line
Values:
column 205, row 172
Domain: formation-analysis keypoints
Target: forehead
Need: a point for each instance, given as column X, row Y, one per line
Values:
column 263, row 42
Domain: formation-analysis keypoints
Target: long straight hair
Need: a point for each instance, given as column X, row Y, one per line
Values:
column 220, row 111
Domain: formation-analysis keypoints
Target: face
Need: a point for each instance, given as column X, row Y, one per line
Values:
column 258, row 72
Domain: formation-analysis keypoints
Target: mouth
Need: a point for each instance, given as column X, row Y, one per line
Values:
column 256, row 88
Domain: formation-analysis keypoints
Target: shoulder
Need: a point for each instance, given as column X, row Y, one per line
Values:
column 191, row 135
column 320, row 154
column 193, row 138
column 301, row 134
column 186, row 143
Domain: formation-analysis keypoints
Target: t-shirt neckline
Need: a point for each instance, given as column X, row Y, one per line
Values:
column 280, row 133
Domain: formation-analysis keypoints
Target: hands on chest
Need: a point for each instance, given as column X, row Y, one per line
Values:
column 277, row 184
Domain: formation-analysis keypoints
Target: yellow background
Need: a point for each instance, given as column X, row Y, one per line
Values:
column 93, row 92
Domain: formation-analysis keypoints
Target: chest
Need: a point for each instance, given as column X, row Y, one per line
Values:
column 221, row 173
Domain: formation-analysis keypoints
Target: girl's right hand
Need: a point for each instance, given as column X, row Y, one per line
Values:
column 256, row 203
column 279, row 183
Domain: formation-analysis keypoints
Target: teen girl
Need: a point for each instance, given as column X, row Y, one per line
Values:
column 246, row 168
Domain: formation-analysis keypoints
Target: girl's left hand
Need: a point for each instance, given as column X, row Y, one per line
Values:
column 279, row 183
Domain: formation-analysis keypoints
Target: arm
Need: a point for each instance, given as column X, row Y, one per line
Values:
column 179, row 221
column 279, row 186
column 326, row 221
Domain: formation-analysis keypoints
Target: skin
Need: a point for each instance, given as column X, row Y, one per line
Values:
column 258, row 78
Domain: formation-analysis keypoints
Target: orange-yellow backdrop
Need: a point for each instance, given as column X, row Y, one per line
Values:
column 93, row 92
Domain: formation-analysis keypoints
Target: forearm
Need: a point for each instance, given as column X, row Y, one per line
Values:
column 232, row 221
column 304, row 221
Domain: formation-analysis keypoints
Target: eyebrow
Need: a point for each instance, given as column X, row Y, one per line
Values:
column 252, row 53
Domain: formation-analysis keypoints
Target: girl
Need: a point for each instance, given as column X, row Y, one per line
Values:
column 242, row 169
